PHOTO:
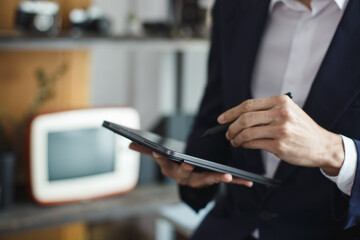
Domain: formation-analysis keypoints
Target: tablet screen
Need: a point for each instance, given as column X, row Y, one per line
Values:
column 151, row 138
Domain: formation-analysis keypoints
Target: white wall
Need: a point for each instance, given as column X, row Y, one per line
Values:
column 118, row 11
column 142, row 79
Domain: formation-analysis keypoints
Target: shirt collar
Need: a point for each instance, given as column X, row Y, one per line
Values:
column 340, row 3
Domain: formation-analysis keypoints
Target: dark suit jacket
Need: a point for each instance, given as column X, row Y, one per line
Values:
column 308, row 205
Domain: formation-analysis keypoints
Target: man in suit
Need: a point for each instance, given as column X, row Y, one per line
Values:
column 260, row 50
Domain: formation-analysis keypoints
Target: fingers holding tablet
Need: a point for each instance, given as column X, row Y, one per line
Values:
column 184, row 173
column 139, row 148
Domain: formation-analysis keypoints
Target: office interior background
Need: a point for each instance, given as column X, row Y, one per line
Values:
column 150, row 55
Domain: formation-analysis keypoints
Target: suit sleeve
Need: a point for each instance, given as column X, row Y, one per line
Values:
column 211, row 107
column 354, row 203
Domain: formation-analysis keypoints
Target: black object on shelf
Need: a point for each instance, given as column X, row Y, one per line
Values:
column 91, row 20
column 38, row 17
column 187, row 18
column 158, row 29
column 192, row 17
column 7, row 170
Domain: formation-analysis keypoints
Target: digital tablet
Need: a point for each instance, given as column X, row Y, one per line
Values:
column 174, row 150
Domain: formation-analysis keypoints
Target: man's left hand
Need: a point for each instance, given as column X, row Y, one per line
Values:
column 280, row 126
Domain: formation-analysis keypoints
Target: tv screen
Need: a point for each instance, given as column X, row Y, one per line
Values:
column 73, row 158
column 80, row 153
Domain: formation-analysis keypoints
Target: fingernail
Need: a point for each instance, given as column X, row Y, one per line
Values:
column 221, row 119
column 250, row 184
column 227, row 136
column 227, row 178
column 155, row 155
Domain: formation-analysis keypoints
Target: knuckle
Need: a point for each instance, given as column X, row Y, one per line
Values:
column 285, row 113
column 279, row 148
column 248, row 105
column 210, row 180
column 251, row 144
column 244, row 120
column 282, row 99
column 231, row 132
column 235, row 141
column 245, row 134
column 217, row 180
column 283, row 130
column 230, row 114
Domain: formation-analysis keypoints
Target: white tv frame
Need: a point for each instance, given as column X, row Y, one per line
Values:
column 127, row 162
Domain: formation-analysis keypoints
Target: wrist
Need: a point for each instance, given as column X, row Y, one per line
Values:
column 334, row 155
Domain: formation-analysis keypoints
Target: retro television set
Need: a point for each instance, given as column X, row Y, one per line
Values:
column 72, row 158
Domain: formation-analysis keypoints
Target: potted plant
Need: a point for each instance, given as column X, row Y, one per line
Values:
column 13, row 136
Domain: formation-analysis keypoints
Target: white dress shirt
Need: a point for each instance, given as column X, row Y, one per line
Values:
column 293, row 47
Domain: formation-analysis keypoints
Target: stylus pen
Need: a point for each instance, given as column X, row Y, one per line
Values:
column 223, row 127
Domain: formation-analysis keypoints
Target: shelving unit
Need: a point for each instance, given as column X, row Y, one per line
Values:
column 20, row 56
column 38, row 51
column 65, row 41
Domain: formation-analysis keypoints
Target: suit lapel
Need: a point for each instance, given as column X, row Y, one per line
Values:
column 241, row 51
column 337, row 82
column 243, row 38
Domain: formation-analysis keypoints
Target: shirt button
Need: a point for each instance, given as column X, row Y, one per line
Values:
column 267, row 215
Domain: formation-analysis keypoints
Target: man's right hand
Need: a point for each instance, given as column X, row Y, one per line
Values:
column 184, row 173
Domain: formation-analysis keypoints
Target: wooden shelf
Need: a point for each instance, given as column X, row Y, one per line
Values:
column 66, row 41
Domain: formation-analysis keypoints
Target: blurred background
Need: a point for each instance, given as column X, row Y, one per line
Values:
column 149, row 55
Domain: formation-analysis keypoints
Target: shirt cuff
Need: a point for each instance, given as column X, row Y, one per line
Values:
column 346, row 177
